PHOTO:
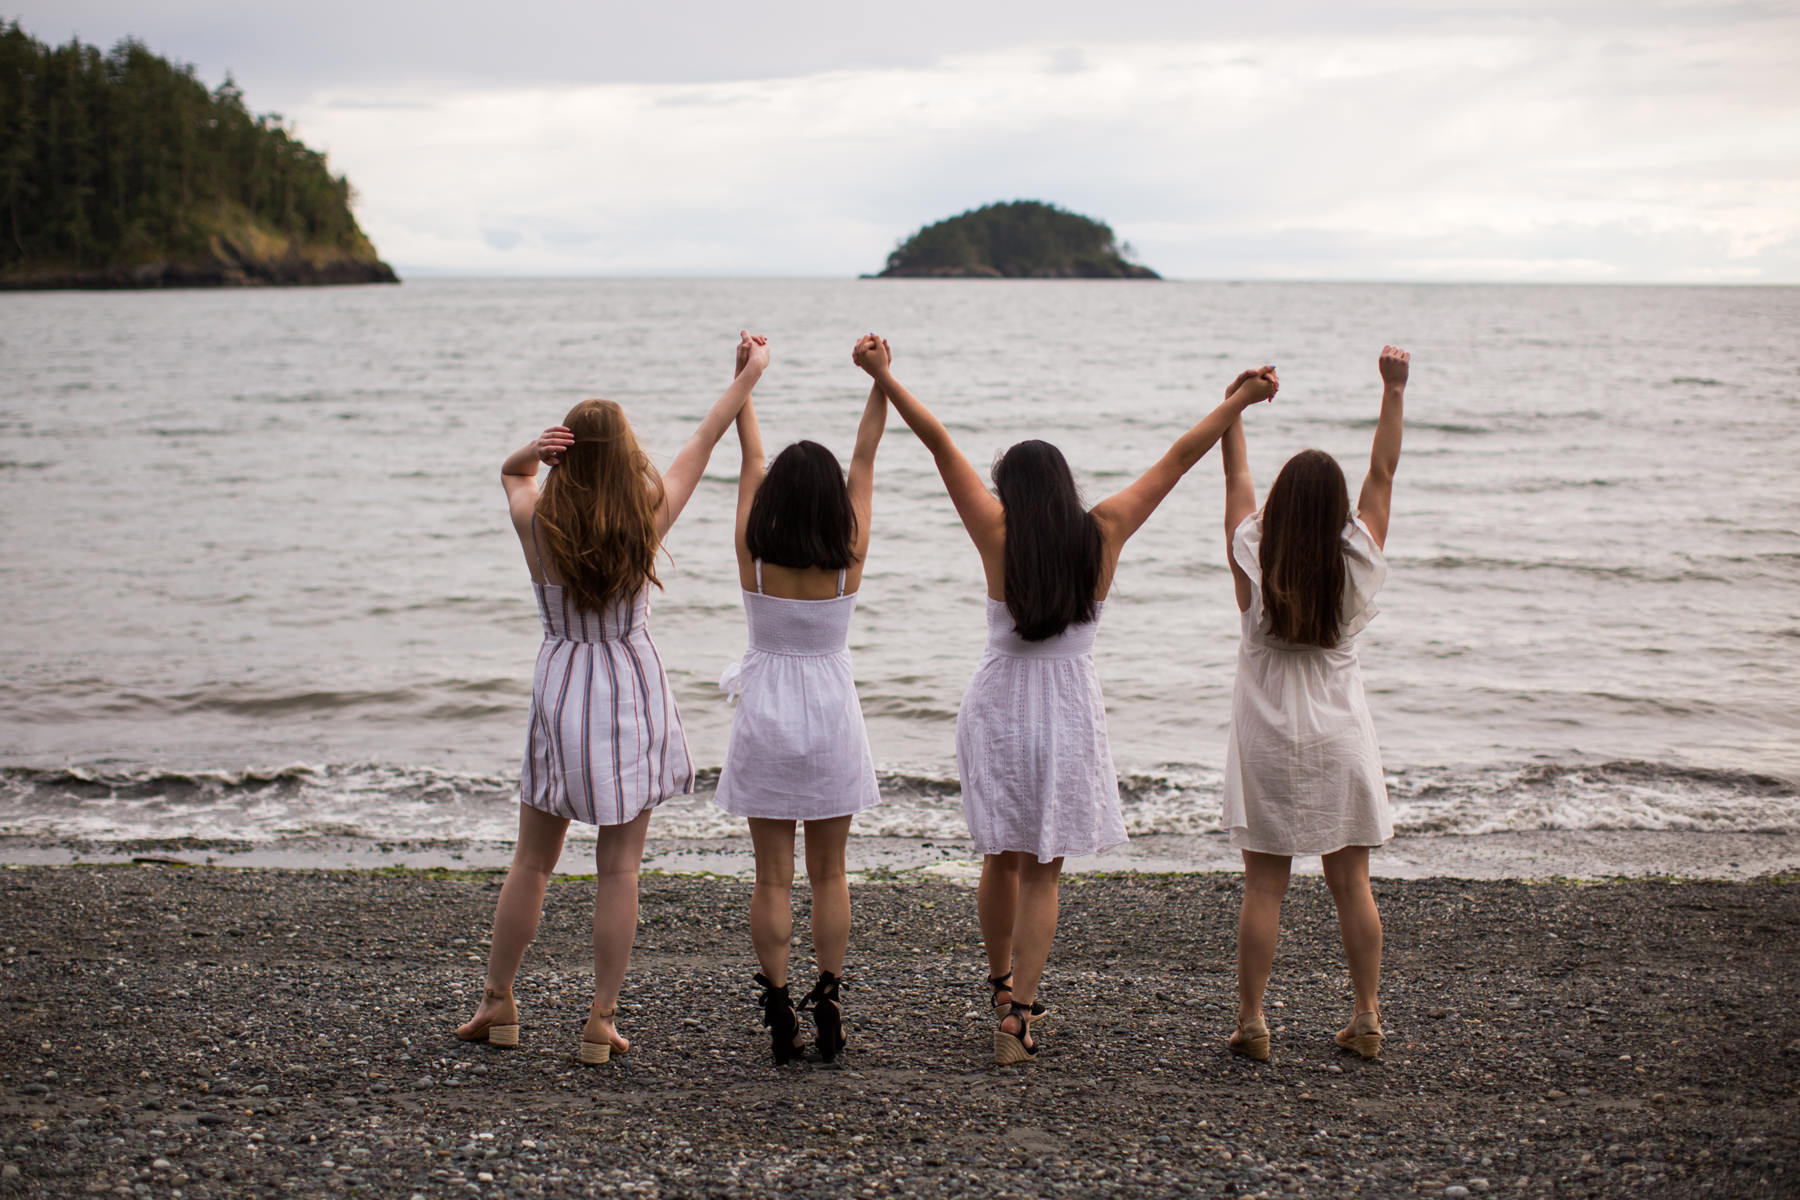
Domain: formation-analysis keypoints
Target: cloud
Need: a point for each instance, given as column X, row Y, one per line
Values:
column 1502, row 140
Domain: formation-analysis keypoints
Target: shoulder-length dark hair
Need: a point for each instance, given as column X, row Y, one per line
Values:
column 597, row 512
column 801, row 515
column 1302, row 555
column 1052, row 542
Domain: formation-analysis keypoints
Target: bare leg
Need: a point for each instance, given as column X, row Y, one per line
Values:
column 1034, row 929
column 996, row 904
column 825, row 842
column 1259, row 923
column 1035, row 926
column 618, row 855
column 1347, row 874
column 771, row 901
column 516, row 913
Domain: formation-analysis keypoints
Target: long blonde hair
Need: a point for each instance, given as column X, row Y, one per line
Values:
column 598, row 509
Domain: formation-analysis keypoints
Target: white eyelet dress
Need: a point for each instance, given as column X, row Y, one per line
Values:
column 1037, row 771
column 604, row 741
column 1302, row 766
column 798, row 749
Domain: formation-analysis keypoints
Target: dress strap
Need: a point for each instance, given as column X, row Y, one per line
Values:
column 758, row 576
column 841, row 572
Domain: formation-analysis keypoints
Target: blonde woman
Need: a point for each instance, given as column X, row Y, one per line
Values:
column 604, row 743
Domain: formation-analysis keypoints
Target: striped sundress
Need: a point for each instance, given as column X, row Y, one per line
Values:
column 604, row 742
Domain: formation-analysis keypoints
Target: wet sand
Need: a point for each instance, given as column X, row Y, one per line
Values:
column 222, row 1033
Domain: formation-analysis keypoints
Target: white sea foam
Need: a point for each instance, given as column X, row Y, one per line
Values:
column 384, row 803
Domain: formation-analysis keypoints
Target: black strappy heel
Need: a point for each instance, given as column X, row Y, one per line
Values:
column 827, row 1014
column 1015, row 1048
column 778, row 1016
column 1003, row 983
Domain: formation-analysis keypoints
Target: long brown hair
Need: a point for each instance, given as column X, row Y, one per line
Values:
column 1302, row 553
column 1053, row 545
column 598, row 509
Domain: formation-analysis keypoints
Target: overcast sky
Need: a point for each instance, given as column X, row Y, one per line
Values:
column 1644, row 141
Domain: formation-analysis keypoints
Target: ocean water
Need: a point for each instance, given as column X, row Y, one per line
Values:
column 258, row 583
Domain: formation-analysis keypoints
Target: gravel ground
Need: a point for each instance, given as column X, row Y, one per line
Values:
column 212, row 1033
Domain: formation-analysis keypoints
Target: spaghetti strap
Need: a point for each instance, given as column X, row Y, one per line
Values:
column 841, row 573
column 758, row 576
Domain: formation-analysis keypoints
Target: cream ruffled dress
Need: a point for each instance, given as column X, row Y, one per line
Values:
column 1302, row 767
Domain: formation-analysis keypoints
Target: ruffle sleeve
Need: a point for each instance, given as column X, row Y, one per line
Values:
column 1246, row 551
column 1365, row 570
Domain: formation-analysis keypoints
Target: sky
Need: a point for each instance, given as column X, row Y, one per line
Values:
column 1651, row 141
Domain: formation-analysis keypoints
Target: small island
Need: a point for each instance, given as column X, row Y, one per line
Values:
column 122, row 170
column 1022, row 239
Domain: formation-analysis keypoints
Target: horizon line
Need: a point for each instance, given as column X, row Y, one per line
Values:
column 456, row 275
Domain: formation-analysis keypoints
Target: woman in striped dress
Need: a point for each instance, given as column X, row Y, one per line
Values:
column 603, row 744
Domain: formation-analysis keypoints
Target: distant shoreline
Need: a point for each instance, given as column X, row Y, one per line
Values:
column 215, row 274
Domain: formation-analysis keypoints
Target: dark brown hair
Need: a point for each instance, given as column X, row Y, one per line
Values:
column 801, row 514
column 1302, row 554
column 598, row 509
column 1053, row 546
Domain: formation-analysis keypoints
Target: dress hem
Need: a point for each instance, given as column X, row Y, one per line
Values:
column 606, row 824
column 757, row 816
column 1044, row 858
column 1238, row 844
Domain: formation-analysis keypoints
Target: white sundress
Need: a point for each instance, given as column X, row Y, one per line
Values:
column 798, row 749
column 1302, row 766
column 1037, row 772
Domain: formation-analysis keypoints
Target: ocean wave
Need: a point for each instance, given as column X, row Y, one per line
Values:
column 240, row 703
column 1626, row 572
column 1414, row 425
column 385, row 802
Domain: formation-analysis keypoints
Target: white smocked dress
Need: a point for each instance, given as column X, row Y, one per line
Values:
column 1302, row 767
column 604, row 741
column 798, row 750
column 1037, row 772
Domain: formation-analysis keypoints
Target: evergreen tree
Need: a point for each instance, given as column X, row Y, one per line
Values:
column 126, row 158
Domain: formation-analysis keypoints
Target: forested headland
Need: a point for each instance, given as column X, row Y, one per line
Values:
column 121, row 169
column 1022, row 239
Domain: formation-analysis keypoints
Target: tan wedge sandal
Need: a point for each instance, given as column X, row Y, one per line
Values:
column 1251, row 1040
column 593, row 1054
column 501, row 1032
column 1012, row 1048
column 1363, row 1036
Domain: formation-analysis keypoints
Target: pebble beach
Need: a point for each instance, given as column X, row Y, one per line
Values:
column 197, row 1033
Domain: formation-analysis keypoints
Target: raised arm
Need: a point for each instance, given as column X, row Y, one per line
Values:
column 1240, row 495
column 754, row 462
column 1384, row 455
column 862, row 461
column 690, row 462
column 1122, row 513
column 981, row 513
column 518, row 475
